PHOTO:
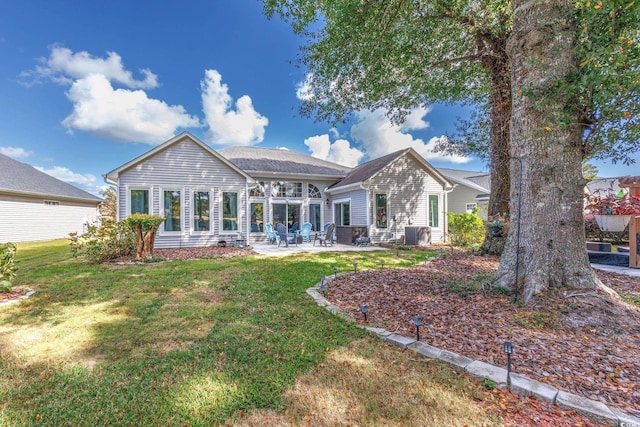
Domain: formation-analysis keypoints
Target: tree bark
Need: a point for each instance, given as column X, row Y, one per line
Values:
column 497, row 66
column 546, row 136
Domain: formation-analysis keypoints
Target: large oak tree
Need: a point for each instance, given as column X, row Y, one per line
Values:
column 573, row 67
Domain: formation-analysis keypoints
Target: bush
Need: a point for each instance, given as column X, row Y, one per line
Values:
column 109, row 240
column 7, row 265
column 465, row 229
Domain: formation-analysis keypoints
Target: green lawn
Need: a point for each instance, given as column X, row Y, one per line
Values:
column 203, row 342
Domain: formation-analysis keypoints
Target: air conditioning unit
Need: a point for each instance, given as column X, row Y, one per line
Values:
column 417, row 236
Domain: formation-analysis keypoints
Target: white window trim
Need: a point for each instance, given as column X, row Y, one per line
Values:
column 193, row 211
column 333, row 210
column 257, row 200
column 375, row 211
column 440, row 213
column 466, row 207
column 221, row 211
column 318, row 202
column 161, row 230
column 128, row 202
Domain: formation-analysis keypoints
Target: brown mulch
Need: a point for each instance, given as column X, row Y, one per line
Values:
column 209, row 252
column 580, row 341
column 14, row 293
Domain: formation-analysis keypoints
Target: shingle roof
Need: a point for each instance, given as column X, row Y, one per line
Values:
column 479, row 181
column 18, row 177
column 366, row 170
column 256, row 160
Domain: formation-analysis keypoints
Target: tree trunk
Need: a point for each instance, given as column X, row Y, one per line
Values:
column 497, row 66
column 137, row 229
column 148, row 237
column 546, row 136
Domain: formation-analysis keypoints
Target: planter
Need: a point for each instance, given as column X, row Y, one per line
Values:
column 612, row 222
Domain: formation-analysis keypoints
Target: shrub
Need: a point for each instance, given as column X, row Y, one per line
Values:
column 104, row 242
column 7, row 265
column 465, row 229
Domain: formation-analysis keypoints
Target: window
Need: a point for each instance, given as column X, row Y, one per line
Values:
column 314, row 192
column 315, row 216
column 342, row 213
column 471, row 207
column 229, row 211
column 257, row 217
column 139, row 201
column 172, row 210
column 201, row 211
column 257, row 190
column 381, row 210
column 433, row 211
column 287, row 214
column 286, row 189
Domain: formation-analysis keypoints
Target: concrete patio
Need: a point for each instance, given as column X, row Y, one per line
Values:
column 264, row 248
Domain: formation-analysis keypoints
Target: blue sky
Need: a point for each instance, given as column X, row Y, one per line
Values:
column 86, row 86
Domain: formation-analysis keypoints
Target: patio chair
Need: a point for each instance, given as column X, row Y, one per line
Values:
column 272, row 235
column 305, row 231
column 325, row 237
column 287, row 238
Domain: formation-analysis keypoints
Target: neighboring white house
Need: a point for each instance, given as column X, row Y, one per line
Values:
column 207, row 196
column 35, row 206
column 471, row 191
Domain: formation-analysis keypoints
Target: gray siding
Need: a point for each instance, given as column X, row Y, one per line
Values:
column 408, row 187
column 460, row 196
column 28, row 219
column 187, row 167
column 358, row 208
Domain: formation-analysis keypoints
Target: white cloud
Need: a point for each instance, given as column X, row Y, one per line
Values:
column 378, row 136
column 15, row 152
column 303, row 89
column 339, row 151
column 64, row 66
column 242, row 126
column 87, row 182
column 122, row 114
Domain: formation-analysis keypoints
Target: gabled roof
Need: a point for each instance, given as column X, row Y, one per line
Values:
column 271, row 161
column 479, row 181
column 368, row 170
column 23, row 179
column 114, row 174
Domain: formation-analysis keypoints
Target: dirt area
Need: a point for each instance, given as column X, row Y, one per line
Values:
column 578, row 340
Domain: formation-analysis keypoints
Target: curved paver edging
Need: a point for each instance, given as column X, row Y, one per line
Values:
column 28, row 294
column 519, row 384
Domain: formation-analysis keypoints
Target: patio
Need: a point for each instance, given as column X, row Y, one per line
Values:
column 264, row 248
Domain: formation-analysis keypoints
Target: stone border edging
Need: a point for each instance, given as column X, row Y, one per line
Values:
column 28, row 294
column 520, row 384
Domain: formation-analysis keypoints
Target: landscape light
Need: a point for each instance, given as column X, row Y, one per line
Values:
column 508, row 349
column 417, row 320
column 323, row 286
column 363, row 309
column 413, row 261
column 335, row 272
column 382, row 263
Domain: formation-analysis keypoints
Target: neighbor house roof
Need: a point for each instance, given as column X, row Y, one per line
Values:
column 258, row 161
column 23, row 179
column 114, row 174
column 479, row 181
column 369, row 169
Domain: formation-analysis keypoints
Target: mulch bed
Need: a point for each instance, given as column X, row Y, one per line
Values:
column 14, row 293
column 580, row 341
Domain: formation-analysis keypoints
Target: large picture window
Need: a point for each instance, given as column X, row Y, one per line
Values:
column 139, row 202
column 433, row 211
column 287, row 214
column 257, row 217
column 229, row 211
column 381, row 210
column 171, row 210
column 201, row 211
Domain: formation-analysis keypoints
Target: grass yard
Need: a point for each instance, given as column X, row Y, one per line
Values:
column 231, row 341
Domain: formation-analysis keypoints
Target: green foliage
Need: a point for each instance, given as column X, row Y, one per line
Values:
column 104, row 242
column 465, row 229
column 7, row 265
column 468, row 287
column 146, row 221
column 109, row 205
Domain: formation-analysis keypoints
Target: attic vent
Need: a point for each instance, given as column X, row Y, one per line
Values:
column 51, row 203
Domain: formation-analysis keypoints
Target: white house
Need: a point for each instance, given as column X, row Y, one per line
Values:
column 207, row 196
column 35, row 206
